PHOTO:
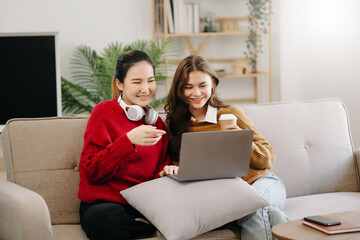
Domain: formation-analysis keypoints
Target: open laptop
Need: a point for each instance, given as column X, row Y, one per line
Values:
column 212, row 155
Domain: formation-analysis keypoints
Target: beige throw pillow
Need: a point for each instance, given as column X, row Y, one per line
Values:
column 183, row 210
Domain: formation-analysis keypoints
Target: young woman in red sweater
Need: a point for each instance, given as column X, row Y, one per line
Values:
column 193, row 106
column 122, row 148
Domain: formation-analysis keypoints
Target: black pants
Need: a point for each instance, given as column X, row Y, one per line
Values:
column 108, row 221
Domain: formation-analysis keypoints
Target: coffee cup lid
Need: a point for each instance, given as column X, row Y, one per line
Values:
column 227, row 117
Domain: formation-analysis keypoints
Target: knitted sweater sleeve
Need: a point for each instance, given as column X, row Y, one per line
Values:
column 105, row 148
column 165, row 157
column 262, row 155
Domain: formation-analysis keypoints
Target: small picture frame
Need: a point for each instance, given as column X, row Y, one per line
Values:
column 241, row 66
column 229, row 26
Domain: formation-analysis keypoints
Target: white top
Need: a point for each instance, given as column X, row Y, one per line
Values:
column 210, row 116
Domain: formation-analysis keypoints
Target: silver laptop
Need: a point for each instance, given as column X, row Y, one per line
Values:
column 212, row 155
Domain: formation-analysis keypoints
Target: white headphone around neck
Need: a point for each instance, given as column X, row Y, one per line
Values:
column 135, row 112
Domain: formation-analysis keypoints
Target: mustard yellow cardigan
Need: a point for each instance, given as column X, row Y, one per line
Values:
column 262, row 156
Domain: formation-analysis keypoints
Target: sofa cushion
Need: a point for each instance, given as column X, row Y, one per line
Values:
column 325, row 203
column 69, row 231
column 43, row 156
column 312, row 143
column 182, row 210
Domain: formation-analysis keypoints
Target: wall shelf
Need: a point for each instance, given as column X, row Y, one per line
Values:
column 161, row 30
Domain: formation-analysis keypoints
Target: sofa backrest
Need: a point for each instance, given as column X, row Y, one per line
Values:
column 42, row 154
column 312, row 143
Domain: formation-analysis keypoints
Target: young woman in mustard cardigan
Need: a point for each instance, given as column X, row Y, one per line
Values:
column 193, row 106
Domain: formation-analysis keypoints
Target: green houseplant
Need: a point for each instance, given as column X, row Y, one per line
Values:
column 259, row 22
column 92, row 73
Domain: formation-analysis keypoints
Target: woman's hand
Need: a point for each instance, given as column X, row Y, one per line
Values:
column 169, row 170
column 233, row 127
column 145, row 135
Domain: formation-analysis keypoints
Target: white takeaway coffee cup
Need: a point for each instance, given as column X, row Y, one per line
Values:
column 226, row 120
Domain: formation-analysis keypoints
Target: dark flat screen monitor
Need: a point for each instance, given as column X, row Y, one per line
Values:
column 29, row 76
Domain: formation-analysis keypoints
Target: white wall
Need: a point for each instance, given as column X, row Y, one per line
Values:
column 316, row 43
column 97, row 23
column 319, row 50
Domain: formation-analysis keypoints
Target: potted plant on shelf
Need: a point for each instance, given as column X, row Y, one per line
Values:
column 92, row 73
column 259, row 22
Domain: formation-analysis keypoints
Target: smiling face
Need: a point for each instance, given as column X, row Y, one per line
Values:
column 197, row 92
column 139, row 84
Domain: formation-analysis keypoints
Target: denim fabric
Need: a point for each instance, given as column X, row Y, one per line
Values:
column 257, row 225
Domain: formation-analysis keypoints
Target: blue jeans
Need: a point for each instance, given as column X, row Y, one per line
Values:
column 257, row 225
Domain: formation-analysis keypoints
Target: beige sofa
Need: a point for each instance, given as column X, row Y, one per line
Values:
column 314, row 158
column 2, row 164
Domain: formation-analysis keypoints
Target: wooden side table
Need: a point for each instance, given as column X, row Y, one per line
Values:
column 296, row 230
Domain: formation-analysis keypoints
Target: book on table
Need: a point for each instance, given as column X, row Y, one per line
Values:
column 345, row 226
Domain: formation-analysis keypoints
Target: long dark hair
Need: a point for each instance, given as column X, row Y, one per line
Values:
column 123, row 64
column 177, row 108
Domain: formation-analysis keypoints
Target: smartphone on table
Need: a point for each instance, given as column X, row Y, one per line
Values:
column 324, row 221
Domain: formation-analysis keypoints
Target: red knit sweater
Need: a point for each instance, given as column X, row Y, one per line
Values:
column 110, row 162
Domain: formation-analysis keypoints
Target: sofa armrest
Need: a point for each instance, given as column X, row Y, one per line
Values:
column 357, row 156
column 23, row 214
column 357, row 153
